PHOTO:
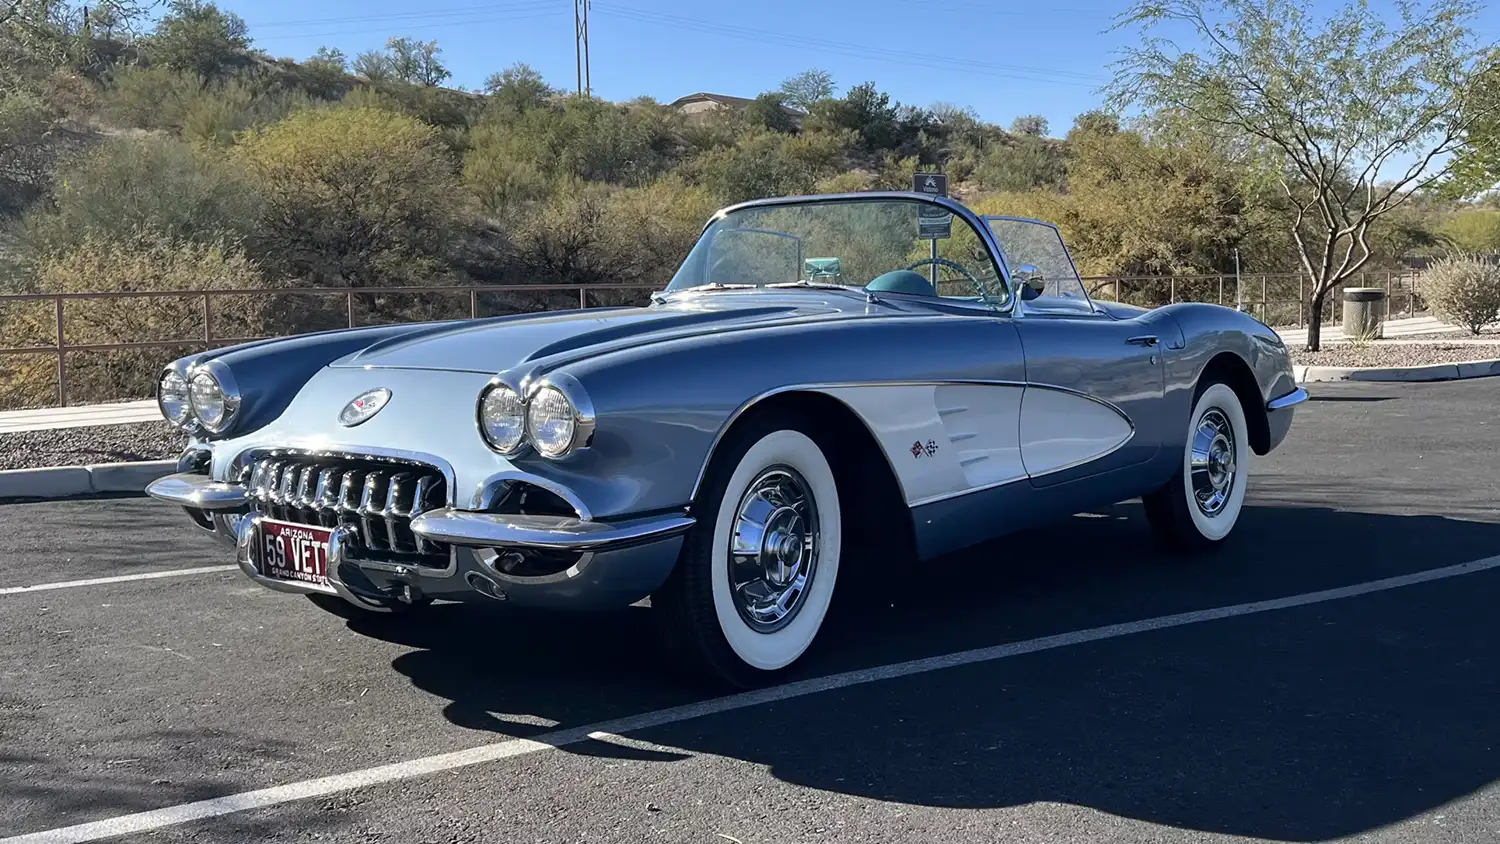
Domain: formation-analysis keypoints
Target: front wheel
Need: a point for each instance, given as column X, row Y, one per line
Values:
column 1198, row 508
column 756, row 573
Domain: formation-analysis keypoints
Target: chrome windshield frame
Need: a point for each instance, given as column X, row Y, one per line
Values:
column 1011, row 308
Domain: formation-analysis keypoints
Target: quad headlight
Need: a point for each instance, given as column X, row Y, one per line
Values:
column 214, row 397
column 551, row 421
column 502, row 419
column 173, row 399
column 555, row 418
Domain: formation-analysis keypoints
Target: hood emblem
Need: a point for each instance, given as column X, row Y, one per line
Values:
column 363, row 406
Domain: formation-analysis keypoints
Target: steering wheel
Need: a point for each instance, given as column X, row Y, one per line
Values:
column 944, row 262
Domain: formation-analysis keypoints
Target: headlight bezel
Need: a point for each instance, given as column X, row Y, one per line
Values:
column 189, row 419
column 581, row 408
column 490, row 389
column 228, row 389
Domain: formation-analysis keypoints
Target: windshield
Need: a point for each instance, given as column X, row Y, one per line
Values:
column 893, row 245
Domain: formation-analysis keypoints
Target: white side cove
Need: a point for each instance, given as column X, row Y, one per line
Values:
column 944, row 440
column 1060, row 430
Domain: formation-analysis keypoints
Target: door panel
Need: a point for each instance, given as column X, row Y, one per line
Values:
column 1092, row 387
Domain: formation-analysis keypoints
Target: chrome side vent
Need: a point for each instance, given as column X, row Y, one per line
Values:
column 378, row 498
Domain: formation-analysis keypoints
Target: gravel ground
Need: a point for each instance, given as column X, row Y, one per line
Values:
column 1388, row 354
column 83, row 446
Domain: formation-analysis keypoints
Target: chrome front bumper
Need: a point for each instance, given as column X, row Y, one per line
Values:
column 617, row 564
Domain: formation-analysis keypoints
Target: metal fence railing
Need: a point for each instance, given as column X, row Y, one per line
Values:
column 1276, row 299
column 68, row 334
column 110, row 325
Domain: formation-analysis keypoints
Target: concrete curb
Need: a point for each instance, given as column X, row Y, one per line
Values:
column 1425, row 372
column 74, row 481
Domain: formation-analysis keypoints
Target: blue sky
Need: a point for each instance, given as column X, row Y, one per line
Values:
column 1004, row 58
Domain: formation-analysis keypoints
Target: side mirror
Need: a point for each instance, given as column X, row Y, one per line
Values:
column 1031, row 282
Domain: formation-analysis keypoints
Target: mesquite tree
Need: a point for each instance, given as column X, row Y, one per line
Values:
column 1351, row 112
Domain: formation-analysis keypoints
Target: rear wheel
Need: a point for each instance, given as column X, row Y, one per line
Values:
column 1198, row 508
column 756, row 573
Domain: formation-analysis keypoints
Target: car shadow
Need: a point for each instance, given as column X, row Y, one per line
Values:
column 1302, row 724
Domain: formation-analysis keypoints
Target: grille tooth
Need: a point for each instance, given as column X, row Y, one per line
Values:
column 349, row 492
column 257, row 477
column 305, row 487
column 418, row 507
column 286, row 491
column 270, row 471
column 325, row 499
column 372, row 511
column 397, row 506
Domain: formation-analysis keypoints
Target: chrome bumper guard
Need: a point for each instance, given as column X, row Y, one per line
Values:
column 552, row 533
column 1291, row 399
column 200, row 492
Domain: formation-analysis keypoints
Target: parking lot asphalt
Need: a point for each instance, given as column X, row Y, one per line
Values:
column 1368, row 717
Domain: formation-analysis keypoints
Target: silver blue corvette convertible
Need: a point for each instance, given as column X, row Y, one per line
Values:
column 825, row 381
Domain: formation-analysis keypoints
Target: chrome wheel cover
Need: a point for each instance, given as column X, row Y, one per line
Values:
column 1213, row 463
column 773, row 549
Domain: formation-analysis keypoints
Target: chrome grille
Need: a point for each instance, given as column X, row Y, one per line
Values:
column 377, row 498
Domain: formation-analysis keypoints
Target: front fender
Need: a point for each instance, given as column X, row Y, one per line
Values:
column 662, row 407
column 270, row 372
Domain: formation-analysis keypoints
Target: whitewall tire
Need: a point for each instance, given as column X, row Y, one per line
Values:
column 1198, row 508
column 757, row 572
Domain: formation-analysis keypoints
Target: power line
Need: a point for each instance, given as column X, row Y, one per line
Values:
column 287, row 36
column 452, row 11
column 1020, row 72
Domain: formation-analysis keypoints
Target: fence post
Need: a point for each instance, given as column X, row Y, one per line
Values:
column 1221, row 290
column 349, row 306
column 1172, row 288
column 1265, row 304
column 583, row 298
column 62, row 366
column 208, row 335
column 1117, row 288
column 1301, row 300
column 473, row 304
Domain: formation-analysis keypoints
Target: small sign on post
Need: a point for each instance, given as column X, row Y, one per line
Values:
column 933, row 222
column 933, row 183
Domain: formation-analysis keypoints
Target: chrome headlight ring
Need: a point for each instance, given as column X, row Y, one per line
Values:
column 501, row 401
column 173, row 398
column 216, row 384
column 560, row 394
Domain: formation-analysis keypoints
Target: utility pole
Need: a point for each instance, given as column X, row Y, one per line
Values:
column 581, row 45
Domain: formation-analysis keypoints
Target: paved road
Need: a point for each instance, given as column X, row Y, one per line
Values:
column 1367, row 718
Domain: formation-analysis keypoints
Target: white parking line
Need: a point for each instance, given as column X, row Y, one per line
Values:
column 120, row 578
column 611, row 730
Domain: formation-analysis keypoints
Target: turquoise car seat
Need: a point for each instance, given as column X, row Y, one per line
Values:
column 902, row 281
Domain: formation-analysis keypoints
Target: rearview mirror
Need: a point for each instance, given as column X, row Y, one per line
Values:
column 1031, row 282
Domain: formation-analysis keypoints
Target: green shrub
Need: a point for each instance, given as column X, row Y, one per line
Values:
column 199, row 39
column 128, row 188
column 26, row 122
column 1463, row 291
column 354, row 196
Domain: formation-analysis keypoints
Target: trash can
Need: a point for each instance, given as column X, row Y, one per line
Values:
column 1364, row 313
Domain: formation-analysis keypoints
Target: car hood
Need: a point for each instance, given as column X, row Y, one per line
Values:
column 492, row 345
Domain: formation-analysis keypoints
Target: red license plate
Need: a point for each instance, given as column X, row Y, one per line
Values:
column 294, row 552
